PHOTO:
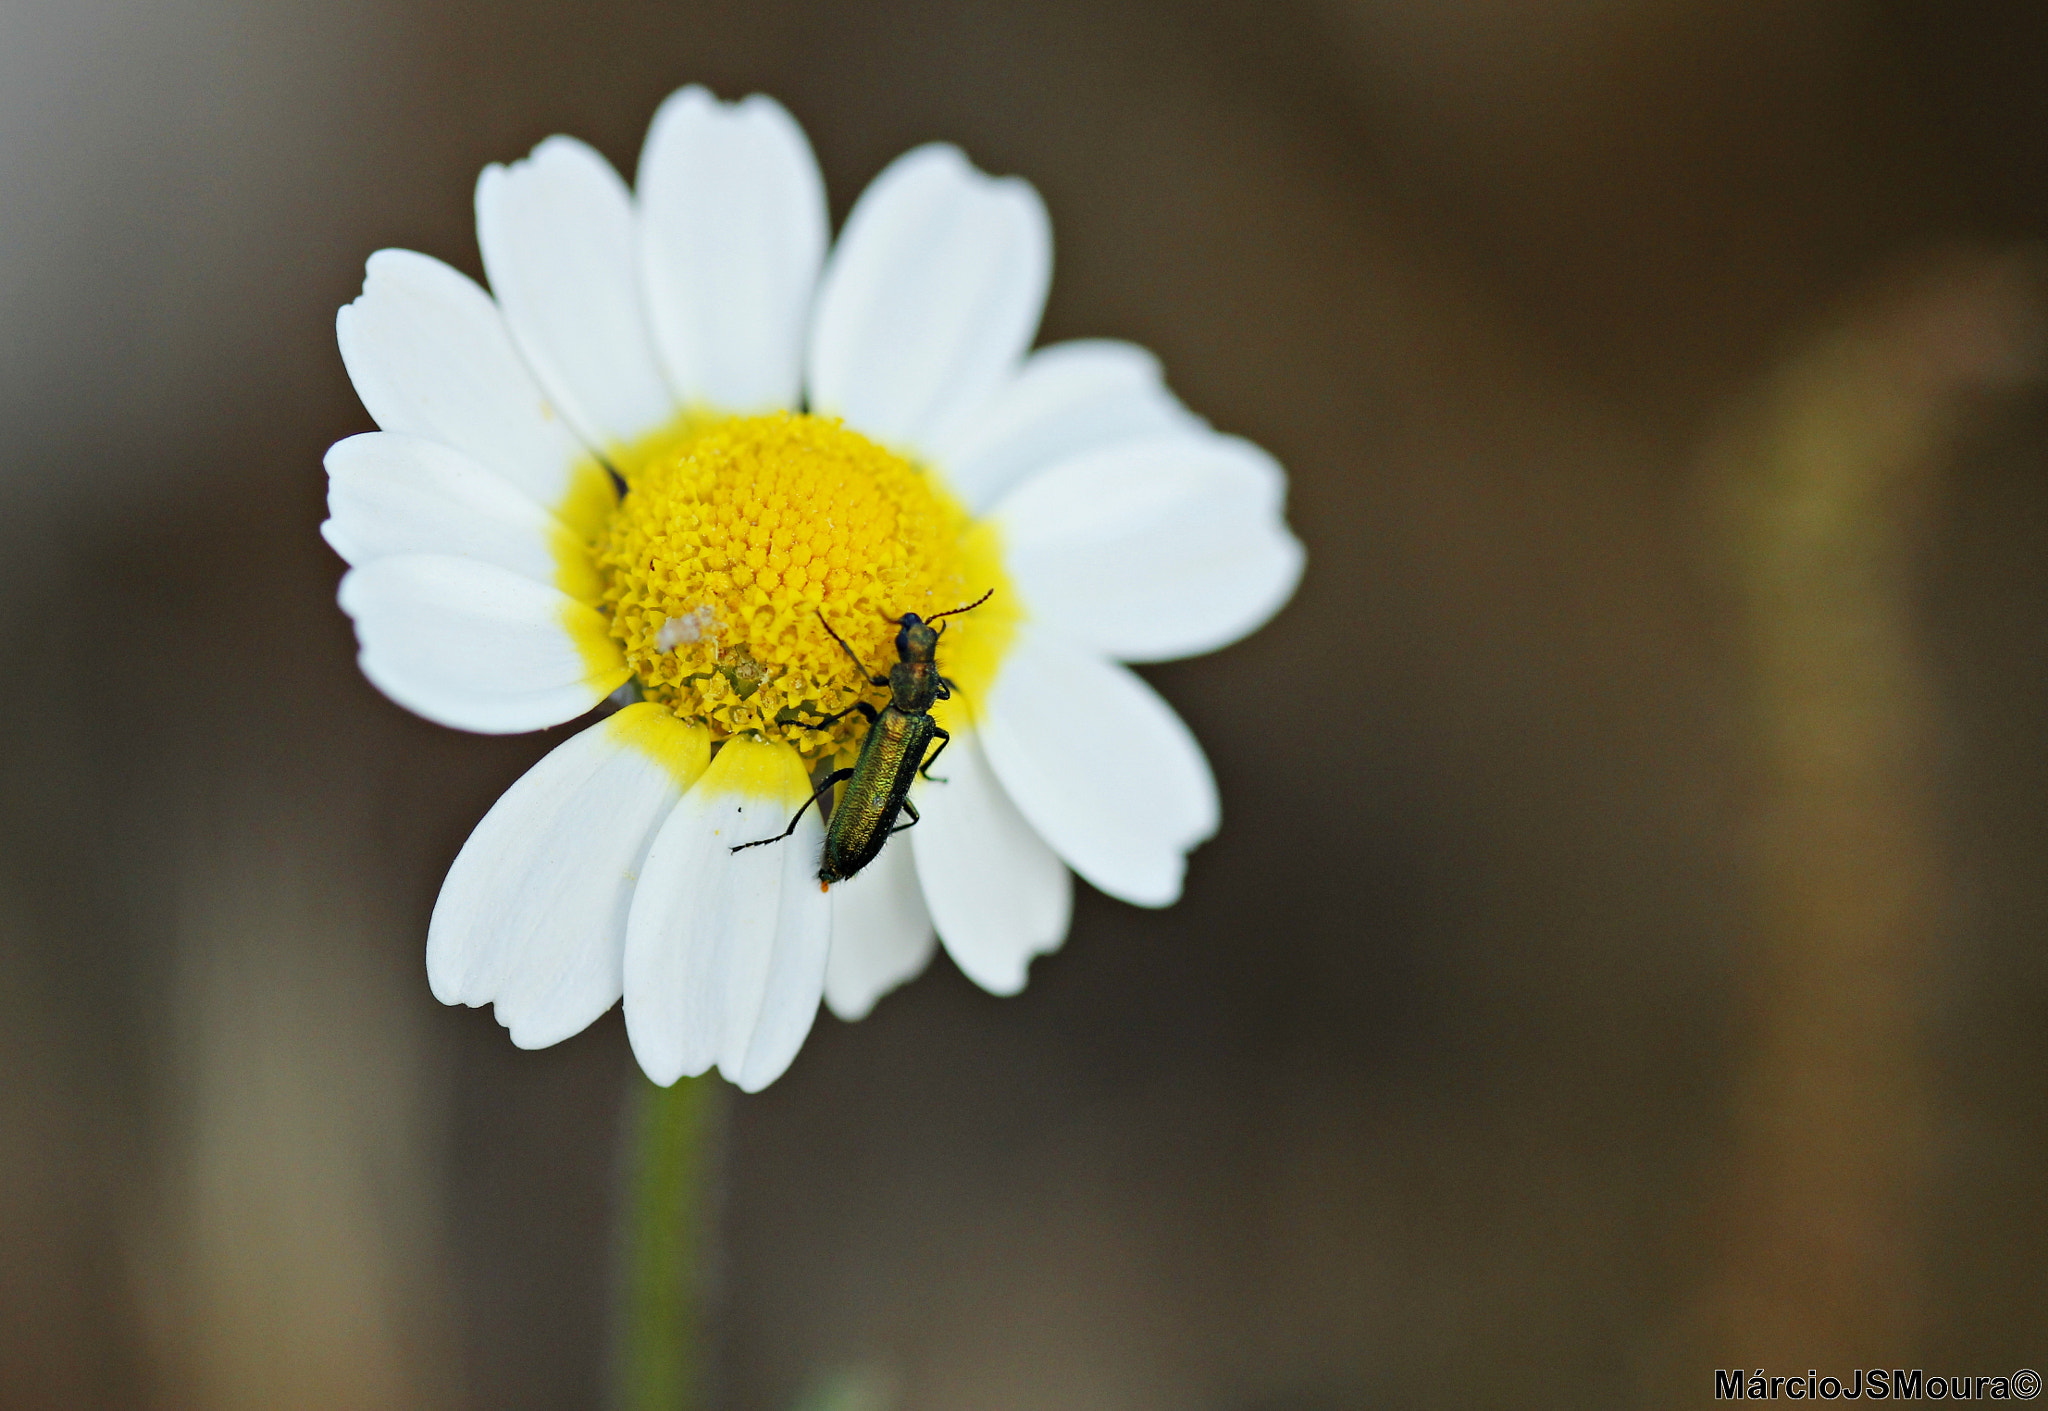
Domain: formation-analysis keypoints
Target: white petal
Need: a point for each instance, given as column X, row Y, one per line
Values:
column 473, row 646
column 881, row 933
column 997, row 893
column 560, row 245
column 725, row 951
column 429, row 354
column 532, row 917
column 732, row 231
column 930, row 298
column 391, row 494
column 1100, row 765
column 1068, row 398
column 1153, row 549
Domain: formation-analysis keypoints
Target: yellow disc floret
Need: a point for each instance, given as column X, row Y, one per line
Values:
column 734, row 537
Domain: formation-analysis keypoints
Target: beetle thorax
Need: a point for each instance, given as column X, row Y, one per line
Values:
column 914, row 685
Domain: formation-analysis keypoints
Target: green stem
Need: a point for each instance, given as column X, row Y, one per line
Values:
column 668, row 1185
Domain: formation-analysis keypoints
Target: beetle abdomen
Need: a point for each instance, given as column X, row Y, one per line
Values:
column 868, row 806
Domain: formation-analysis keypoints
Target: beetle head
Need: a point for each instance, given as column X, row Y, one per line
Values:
column 915, row 638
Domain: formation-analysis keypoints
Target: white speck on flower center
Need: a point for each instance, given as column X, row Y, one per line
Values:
column 734, row 536
column 690, row 627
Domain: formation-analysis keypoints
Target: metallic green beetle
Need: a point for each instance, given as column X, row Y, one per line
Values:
column 891, row 756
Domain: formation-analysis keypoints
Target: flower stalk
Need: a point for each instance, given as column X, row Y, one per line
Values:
column 659, row 1358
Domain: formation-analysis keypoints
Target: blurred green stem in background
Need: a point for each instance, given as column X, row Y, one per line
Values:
column 1829, row 487
column 663, row 1256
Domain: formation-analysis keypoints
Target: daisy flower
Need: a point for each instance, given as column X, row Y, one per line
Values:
column 676, row 439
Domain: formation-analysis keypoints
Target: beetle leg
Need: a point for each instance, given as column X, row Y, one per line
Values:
column 911, row 809
column 838, row 715
column 926, row 768
column 830, row 779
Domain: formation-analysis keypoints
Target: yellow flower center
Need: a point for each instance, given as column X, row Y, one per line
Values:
column 739, row 539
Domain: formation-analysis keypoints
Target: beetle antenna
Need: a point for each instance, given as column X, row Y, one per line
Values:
column 866, row 675
column 975, row 604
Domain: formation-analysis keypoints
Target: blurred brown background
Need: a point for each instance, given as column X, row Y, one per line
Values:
column 1624, row 954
